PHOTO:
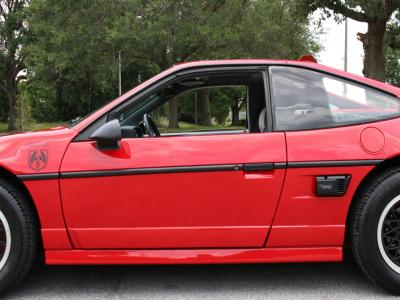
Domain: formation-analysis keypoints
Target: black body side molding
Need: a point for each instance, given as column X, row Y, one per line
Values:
column 259, row 167
column 250, row 167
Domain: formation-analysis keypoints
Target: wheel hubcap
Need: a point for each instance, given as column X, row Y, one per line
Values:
column 389, row 234
column 5, row 240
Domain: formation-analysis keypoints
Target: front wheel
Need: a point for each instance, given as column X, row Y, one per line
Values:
column 375, row 230
column 18, row 236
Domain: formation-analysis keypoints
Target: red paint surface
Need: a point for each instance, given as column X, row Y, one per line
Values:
column 14, row 157
column 46, row 197
column 176, row 151
column 169, row 237
column 308, row 58
column 15, row 149
column 304, row 219
column 342, row 143
column 206, row 256
column 306, row 236
column 200, row 209
column 372, row 140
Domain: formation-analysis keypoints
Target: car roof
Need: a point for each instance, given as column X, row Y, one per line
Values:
column 237, row 62
column 306, row 64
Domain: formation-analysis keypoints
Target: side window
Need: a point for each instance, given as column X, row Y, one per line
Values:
column 213, row 103
column 202, row 110
column 304, row 99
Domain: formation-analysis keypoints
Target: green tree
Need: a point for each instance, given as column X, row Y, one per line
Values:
column 261, row 29
column 177, row 31
column 174, row 31
column 379, row 15
column 392, row 73
column 72, row 55
column 13, row 34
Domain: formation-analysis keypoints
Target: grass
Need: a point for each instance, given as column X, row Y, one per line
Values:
column 3, row 127
column 31, row 126
column 184, row 127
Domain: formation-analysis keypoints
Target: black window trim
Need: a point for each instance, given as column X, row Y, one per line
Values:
column 255, row 67
column 160, row 84
column 268, row 97
column 359, row 83
column 81, row 137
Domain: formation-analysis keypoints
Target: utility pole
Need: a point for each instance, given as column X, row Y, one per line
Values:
column 345, row 55
column 22, row 114
column 345, row 43
column 119, row 73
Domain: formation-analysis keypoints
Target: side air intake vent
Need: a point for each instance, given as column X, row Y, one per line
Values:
column 332, row 185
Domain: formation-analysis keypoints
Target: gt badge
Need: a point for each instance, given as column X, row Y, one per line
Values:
column 38, row 159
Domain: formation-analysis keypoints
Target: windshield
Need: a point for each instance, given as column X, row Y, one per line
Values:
column 75, row 121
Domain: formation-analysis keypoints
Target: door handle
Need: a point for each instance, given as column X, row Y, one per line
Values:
column 258, row 167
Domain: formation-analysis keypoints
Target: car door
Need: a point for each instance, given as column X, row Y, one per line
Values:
column 332, row 145
column 208, row 190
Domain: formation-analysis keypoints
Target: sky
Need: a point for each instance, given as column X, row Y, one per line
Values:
column 332, row 42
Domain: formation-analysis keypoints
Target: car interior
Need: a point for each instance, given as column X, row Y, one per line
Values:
column 137, row 119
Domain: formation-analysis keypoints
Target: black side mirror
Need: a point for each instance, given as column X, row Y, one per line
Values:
column 107, row 137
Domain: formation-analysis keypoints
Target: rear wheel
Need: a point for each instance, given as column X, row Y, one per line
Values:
column 389, row 234
column 18, row 236
column 375, row 230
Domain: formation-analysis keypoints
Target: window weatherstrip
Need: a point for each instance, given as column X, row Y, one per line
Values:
column 268, row 100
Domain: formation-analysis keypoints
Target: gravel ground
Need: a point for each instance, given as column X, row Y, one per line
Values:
column 273, row 281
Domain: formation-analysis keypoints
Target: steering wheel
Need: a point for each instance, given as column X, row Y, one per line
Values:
column 150, row 126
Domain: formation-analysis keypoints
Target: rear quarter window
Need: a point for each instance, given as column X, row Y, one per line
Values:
column 304, row 99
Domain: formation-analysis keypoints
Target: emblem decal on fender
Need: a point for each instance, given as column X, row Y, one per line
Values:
column 38, row 159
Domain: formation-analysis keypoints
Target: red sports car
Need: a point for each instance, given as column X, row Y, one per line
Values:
column 310, row 166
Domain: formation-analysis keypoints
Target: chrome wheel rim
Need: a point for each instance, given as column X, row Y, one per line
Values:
column 389, row 234
column 5, row 240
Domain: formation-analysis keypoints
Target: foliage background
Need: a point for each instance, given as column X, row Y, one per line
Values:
column 70, row 51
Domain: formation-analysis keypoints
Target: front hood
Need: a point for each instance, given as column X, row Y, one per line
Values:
column 36, row 151
column 57, row 128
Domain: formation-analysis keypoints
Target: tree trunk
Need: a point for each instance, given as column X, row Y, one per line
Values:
column 374, row 50
column 12, row 113
column 204, row 108
column 173, row 113
column 235, row 114
column 11, row 86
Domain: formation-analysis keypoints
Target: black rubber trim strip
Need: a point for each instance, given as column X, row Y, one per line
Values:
column 44, row 176
column 162, row 170
column 333, row 163
column 268, row 100
column 259, row 167
column 210, row 168
column 280, row 165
